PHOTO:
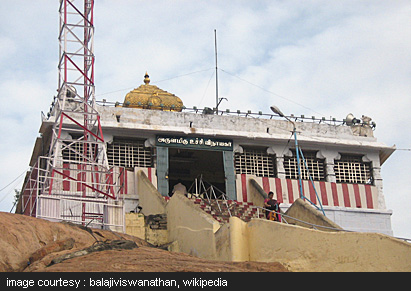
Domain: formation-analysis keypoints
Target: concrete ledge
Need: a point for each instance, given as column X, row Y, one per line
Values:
column 302, row 249
column 257, row 194
column 239, row 240
column 191, row 227
column 304, row 211
column 151, row 201
column 195, row 232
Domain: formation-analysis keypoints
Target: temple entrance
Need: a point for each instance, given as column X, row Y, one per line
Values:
column 187, row 165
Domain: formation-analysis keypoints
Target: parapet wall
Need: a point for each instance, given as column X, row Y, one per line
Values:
column 191, row 227
column 149, row 198
column 303, row 211
column 302, row 249
column 211, row 124
column 297, row 248
column 195, row 232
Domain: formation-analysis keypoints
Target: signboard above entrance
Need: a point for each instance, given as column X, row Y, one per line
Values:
column 197, row 143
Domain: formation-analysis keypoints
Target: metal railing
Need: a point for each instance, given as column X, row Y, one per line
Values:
column 248, row 113
column 85, row 194
column 268, row 210
column 205, row 189
column 314, row 226
column 99, row 213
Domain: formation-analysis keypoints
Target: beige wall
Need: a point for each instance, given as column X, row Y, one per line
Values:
column 257, row 194
column 149, row 198
column 156, row 237
column 193, row 231
column 191, row 227
column 222, row 242
column 297, row 248
column 302, row 210
column 302, row 249
column 135, row 225
column 239, row 240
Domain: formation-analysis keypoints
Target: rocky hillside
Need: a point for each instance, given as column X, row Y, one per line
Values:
column 29, row 244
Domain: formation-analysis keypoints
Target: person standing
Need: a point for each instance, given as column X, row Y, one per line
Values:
column 271, row 204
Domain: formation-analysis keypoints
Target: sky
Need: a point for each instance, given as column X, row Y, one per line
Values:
column 321, row 58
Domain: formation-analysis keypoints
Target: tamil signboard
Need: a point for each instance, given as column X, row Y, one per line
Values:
column 197, row 143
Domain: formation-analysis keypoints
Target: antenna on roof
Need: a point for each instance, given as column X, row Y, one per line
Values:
column 216, row 72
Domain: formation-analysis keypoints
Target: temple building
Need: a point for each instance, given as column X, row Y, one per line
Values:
column 153, row 132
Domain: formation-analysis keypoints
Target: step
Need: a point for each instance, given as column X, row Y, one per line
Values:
column 244, row 210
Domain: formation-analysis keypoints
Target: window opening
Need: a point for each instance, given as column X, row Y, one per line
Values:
column 129, row 154
column 352, row 169
column 255, row 162
column 72, row 151
column 315, row 166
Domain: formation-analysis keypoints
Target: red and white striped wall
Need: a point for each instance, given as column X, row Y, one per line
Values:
column 286, row 191
column 331, row 194
column 150, row 173
column 71, row 181
column 124, row 178
column 128, row 179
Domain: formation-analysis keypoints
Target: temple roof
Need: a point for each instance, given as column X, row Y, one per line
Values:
column 149, row 96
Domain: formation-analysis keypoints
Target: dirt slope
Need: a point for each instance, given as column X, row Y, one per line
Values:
column 30, row 244
column 147, row 259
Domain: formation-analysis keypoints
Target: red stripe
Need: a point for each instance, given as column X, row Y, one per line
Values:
column 346, row 195
column 79, row 178
column 84, row 184
column 266, row 184
column 122, row 179
column 324, row 198
column 126, row 182
column 357, row 195
column 313, row 198
column 66, row 182
column 368, row 196
column 279, row 190
column 290, row 191
column 335, row 194
column 149, row 174
column 244, row 186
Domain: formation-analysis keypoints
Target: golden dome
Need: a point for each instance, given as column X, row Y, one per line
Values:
column 151, row 97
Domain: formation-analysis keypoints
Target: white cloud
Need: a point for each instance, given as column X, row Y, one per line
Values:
column 7, row 48
column 332, row 57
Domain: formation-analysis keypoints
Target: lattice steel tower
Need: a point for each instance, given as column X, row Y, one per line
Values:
column 74, row 182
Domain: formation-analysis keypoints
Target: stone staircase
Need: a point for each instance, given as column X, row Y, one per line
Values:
column 242, row 210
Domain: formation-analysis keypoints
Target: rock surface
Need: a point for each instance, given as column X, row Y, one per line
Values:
column 30, row 244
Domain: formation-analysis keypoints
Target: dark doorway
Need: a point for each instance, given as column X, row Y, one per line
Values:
column 187, row 165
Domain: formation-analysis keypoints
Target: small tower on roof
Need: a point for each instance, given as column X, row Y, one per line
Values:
column 148, row 96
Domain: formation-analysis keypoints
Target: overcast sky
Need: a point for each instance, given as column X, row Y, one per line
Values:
column 321, row 58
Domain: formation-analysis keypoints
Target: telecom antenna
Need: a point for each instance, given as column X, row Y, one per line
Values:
column 75, row 181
